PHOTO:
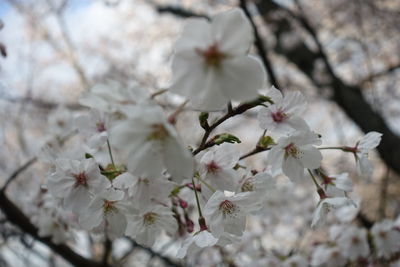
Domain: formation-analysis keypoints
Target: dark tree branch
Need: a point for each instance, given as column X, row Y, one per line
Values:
column 261, row 47
column 348, row 97
column 379, row 74
column 180, row 12
column 15, row 174
column 153, row 254
column 39, row 103
column 16, row 217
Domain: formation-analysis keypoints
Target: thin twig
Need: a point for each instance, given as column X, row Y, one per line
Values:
column 17, row 172
column 253, row 152
column 233, row 112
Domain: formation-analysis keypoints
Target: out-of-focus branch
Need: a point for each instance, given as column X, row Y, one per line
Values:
column 45, row 34
column 15, row 174
column 348, row 97
column 383, row 194
column 261, row 47
column 59, row 12
column 179, row 11
column 153, row 254
column 18, row 218
column 40, row 103
column 379, row 74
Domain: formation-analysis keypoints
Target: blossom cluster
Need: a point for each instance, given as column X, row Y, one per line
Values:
column 134, row 176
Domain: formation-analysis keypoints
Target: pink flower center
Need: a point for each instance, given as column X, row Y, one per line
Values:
column 212, row 55
column 291, row 150
column 212, row 167
column 101, row 127
column 80, row 179
column 279, row 116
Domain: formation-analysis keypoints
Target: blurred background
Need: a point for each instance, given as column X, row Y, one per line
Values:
column 344, row 55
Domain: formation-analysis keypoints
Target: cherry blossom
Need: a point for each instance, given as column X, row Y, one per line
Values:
column 386, row 238
column 146, row 225
column 226, row 212
column 211, row 65
column 216, row 166
column 143, row 191
column 75, row 182
column 283, row 115
column 196, row 242
column 295, row 152
column 353, row 242
column 113, row 96
column 106, row 212
column 370, row 141
column 153, row 144
column 95, row 125
column 326, row 205
column 327, row 256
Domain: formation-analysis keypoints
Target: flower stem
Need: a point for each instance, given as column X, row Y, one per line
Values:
column 197, row 198
column 331, row 147
column 109, row 152
column 320, row 190
column 206, row 184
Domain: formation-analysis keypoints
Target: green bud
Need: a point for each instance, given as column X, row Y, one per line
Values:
column 203, row 117
column 225, row 138
column 265, row 141
column 175, row 191
column 264, row 98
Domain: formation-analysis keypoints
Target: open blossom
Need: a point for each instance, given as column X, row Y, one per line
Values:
column 216, row 166
column 386, row 238
column 326, row 206
column 153, row 144
column 146, row 225
column 76, row 182
column 143, row 191
column 370, row 141
column 295, row 152
column 337, row 185
column 61, row 122
column 113, row 96
column 353, row 243
column 283, row 115
column 261, row 182
column 106, row 212
column 295, row 260
column 327, row 256
column 227, row 211
column 94, row 125
column 211, row 65
column 196, row 242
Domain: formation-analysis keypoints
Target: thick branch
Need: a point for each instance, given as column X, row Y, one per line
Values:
column 348, row 97
column 16, row 217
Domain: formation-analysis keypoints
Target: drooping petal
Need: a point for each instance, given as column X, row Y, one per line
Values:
column 311, row 157
column 293, row 168
column 178, row 160
column 233, row 32
column 242, row 77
